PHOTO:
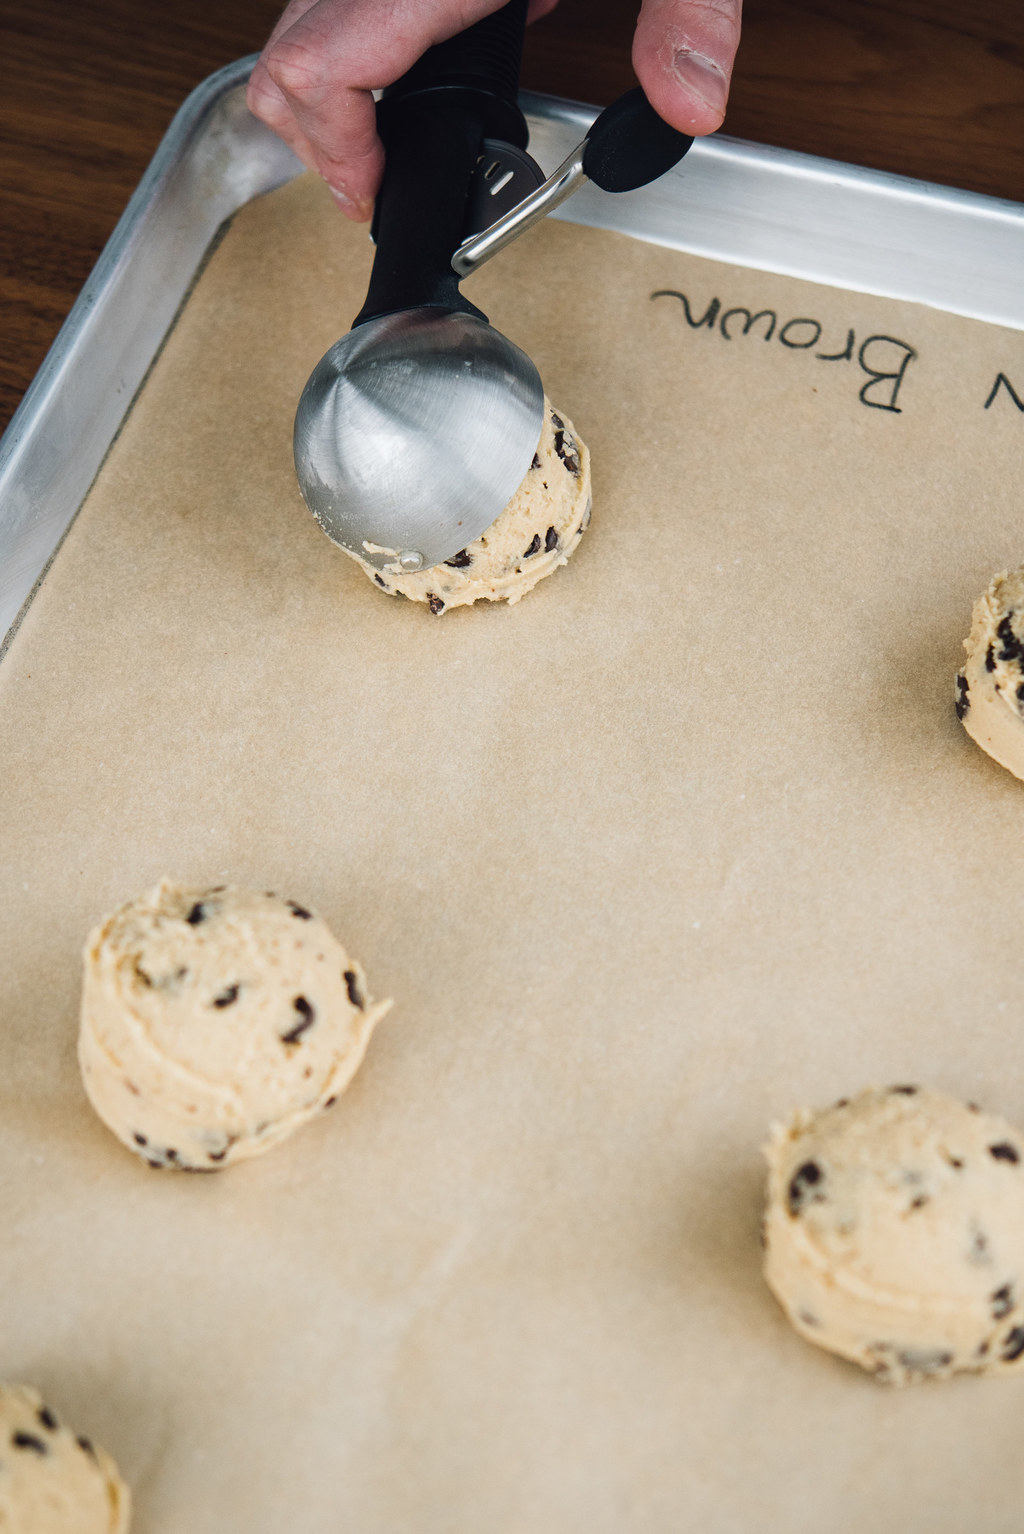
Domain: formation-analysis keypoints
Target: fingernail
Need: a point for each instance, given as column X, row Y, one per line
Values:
column 344, row 201
column 702, row 77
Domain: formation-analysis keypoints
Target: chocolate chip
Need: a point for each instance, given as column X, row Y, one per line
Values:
column 226, row 997
column 903, row 1091
column 85, row 1444
column 299, row 910
column 990, row 658
column 352, row 986
column 566, row 450
column 841, row 1102
column 139, row 1139
column 380, row 580
column 1002, row 1302
column 536, row 461
column 973, row 1108
column 963, row 701
column 550, row 540
column 920, row 1201
column 197, row 914
column 47, row 1418
column 22, row 1440
column 805, row 1178
column 172, row 1155
column 534, row 547
column 436, row 603
column 330, row 1102
column 1013, row 1344
column 460, row 561
column 1013, row 648
column 1004, row 1151
column 557, row 422
column 308, row 1017
column 157, row 1166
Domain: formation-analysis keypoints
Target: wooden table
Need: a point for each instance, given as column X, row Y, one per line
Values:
column 928, row 88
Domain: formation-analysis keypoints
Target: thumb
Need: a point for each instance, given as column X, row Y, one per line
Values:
column 683, row 54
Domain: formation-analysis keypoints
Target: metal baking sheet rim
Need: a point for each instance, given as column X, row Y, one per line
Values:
column 745, row 204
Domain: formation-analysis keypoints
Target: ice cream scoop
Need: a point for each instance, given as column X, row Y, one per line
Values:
column 416, row 428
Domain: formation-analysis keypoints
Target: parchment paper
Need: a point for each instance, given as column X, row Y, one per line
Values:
column 689, row 837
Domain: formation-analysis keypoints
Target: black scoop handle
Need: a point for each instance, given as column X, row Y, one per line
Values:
column 432, row 123
column 630, row 145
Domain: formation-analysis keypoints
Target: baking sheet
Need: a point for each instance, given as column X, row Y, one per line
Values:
column 688, row 837
column 750, row 204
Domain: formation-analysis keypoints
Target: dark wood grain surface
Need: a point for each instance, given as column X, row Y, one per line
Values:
column 928, row 88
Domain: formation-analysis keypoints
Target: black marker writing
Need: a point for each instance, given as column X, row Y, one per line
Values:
column 881, row 376
column 843, row 356
column 748, row 323
column 883, row 358
column 1001, row 378
column 800, row 346
column 709, row 316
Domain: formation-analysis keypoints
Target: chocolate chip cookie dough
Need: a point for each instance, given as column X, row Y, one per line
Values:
column 894, row 1233
column 990, row 687
column 216, row 1021
column 52, row 1481
column 538, row 530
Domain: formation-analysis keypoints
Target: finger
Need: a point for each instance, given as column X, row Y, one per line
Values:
column 268, row 102
column 262, row 96
column 683, row 54
column 323, row 67
column 265, row 101
column 330, row 124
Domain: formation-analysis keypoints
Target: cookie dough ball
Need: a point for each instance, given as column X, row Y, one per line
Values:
column 538, row 530
column 895, row 1233
column 990, row 687
column 52, row 1482
column 217, row 1021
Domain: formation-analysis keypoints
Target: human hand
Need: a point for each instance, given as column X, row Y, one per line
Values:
column 314, row 80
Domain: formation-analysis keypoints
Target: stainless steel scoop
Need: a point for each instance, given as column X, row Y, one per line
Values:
column 416, row 428
column 413, row 433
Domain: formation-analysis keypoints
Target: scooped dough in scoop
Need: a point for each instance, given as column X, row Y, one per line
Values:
column 538, row 530
column 990, row 686
column 53, row 1481
column 216, row 1021
column 894, row 1233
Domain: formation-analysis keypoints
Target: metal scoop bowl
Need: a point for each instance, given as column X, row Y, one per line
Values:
column 413, row 433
